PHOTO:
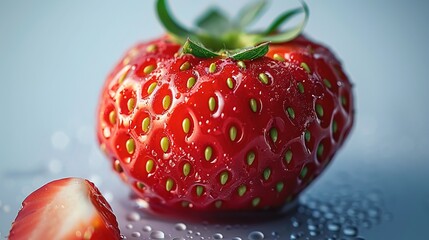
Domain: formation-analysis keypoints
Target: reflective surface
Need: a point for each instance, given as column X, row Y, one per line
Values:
column 55, row 56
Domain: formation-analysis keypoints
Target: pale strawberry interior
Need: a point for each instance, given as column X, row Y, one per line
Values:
column 70, row 208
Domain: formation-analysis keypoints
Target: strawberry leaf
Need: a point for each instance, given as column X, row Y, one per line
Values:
column 251, row 53
column 198, row 50
column 250, row 13
column 169, row 23
column 289, row 34
column 214, row 22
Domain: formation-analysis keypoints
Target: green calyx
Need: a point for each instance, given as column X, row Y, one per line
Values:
column 217, row 36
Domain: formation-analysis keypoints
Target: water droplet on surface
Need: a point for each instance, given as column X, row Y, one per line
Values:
column 366, row 224
column 237, row 238
column 256, row 235
column 316, row 214
column 133, row 216
column 180, row 227
column 295, row 223
column 295, row 236
column 147, row 228
column 135, row 234
column 329, row 215
column 312, row 227
column 179, row 238
column 217, row 236
column 142, row 204
column 334, row 227
column 129, row 226
column 157, row 235
column 275, row 234
column 350, row 231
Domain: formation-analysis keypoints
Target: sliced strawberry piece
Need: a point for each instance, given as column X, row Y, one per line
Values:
column 69, row 208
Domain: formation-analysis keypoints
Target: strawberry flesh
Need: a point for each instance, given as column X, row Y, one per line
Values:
column 69, row 208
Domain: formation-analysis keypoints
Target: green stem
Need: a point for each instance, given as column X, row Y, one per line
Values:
column 229, row 37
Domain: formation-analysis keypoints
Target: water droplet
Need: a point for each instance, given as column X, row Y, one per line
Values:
column 142, row 204
column 324, row 207
column 256, row 235
column 237, row 238
column 373, row 212
column 275, row 234
column 295, row 236
column 217, row 236
column 350, row 231
column 334, row 227
column 147, row 228
column 295, row 222
column 135, row 234
column 312, row 227
column 366, row 224
column 328, row 215
column 179, row 238
column 180, row 227
column 157, row 235
column 316, row 214
column 351, row 212
column 129, row 226
column 133, row 216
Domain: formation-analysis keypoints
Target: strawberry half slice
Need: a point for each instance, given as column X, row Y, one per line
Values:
column 69, row 208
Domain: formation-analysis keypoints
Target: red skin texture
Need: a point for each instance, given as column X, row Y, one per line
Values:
column 33, row 217
column 211, row 128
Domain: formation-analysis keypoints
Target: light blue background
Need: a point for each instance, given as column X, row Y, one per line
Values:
column 54, row 56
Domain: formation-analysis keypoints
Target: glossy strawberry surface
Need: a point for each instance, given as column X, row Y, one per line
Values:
column 218, row 134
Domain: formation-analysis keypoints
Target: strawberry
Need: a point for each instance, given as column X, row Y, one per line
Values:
column 202, row 121
column 69, row 208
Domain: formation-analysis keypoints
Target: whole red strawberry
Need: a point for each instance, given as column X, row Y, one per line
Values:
column 224, row 127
